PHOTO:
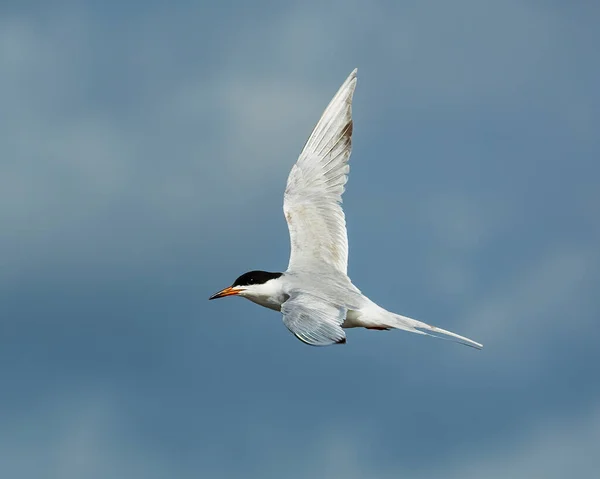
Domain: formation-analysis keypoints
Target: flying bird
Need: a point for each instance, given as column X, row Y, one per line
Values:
column 315, row 295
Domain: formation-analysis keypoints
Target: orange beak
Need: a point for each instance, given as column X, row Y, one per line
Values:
column 229, row 291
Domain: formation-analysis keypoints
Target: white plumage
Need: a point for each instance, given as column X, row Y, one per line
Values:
column 312, row 198
column 315, row 295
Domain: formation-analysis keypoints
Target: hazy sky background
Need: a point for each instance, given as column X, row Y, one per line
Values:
column 144, row 148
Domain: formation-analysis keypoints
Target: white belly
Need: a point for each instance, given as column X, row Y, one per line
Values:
column 352, row 320
column 271, row 302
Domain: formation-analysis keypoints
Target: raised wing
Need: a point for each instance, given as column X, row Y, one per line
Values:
column 313, row 196
column 314, row 321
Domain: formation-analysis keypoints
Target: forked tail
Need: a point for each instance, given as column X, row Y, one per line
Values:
column 398, row 321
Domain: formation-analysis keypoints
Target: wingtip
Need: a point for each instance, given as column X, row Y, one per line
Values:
column 350, row 83
column 351, row 77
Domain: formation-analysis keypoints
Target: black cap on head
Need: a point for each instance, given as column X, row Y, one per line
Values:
column 255, row 277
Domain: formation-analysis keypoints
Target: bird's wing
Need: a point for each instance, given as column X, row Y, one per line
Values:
column 314, row 321
column 313, row 195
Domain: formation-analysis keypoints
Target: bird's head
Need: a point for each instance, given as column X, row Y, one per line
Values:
column 250, row 285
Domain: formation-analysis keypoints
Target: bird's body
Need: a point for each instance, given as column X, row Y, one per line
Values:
column 315, row 295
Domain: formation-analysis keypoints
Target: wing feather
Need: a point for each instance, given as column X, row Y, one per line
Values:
column 314, row 321
column 313, row 195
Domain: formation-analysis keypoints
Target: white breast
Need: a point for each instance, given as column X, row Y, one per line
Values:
column 271, row 302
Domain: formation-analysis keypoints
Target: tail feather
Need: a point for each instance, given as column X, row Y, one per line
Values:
column 408, row 324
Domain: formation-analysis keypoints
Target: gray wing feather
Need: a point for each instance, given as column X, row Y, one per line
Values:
column 314, row 321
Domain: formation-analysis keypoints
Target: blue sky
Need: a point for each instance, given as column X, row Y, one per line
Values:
column 144, row 150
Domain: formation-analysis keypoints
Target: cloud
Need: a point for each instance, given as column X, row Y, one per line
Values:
column 90, row 434
column 86, row 435
column 136, row 149
column 553, row 448
column 140, row 132
column 75, row 170
column 72, row 437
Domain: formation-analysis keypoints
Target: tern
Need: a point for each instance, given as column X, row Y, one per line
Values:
column 315, row 295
